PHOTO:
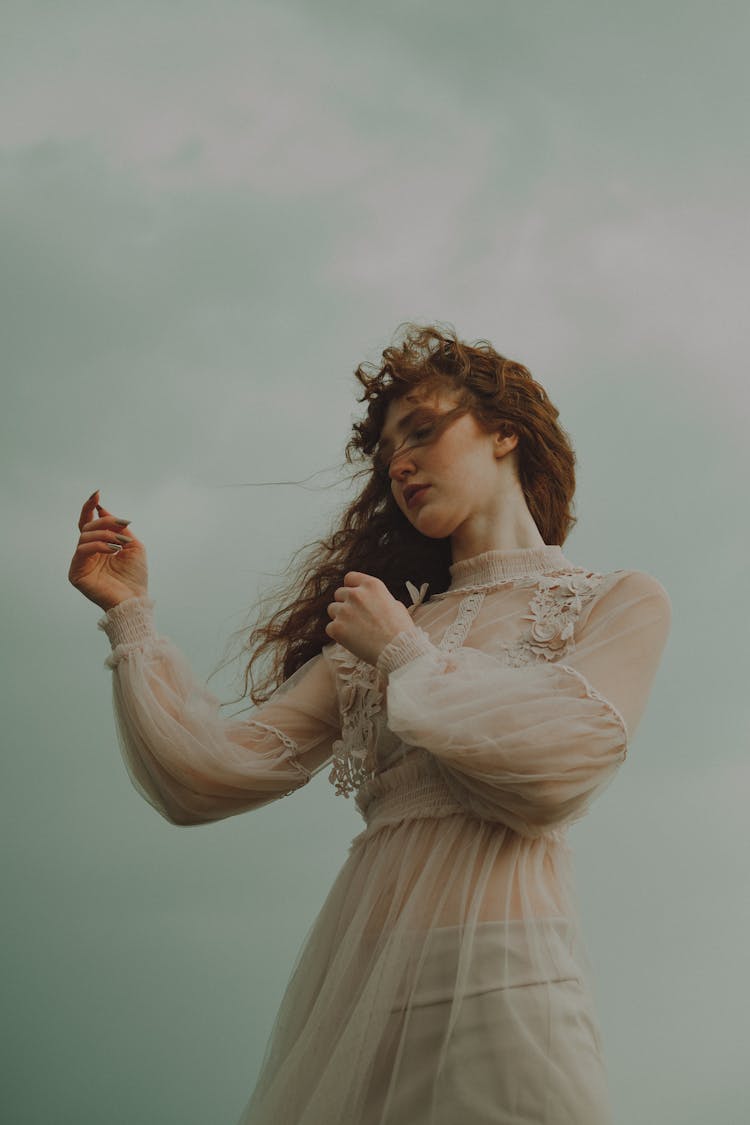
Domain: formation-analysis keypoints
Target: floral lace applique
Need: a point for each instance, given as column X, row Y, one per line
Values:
column 360, row 701
column 554, row 611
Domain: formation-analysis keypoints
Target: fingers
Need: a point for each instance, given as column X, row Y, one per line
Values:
column 97, row 547
column 87, row 509
column 106, row 519
column 354, row 578
column 103, row 535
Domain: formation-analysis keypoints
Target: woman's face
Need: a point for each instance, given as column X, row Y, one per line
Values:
column 457, row 461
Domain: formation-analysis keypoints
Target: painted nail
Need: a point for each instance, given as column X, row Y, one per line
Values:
column 114, row 546
column 123, row 538
column 122, row 523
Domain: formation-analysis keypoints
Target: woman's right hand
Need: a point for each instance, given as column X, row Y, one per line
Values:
column 103, row 575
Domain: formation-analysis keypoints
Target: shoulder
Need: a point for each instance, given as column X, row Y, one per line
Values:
column 630, row 591
column 638, row 584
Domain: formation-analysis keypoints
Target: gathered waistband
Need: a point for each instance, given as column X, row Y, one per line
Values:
column 395, row 796
column 414, row 790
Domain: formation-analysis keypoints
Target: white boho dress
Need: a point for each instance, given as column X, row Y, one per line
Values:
column 445, row 979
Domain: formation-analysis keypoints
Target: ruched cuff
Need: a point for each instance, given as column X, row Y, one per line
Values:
column 130, row 622
column 404, row 647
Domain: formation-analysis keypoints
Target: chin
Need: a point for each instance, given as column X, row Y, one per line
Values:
column 431, row 526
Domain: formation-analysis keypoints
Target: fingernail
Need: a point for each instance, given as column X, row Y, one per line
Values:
column 93, row 494
column 122, row 523
column 114, row 546
column 123, row 538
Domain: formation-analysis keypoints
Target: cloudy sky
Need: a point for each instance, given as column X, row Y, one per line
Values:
column 210, row 215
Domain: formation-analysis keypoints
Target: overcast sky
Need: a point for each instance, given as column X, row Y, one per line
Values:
column 210, row 215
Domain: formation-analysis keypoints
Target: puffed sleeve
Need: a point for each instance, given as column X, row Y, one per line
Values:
column 188, row 761
column 531, row 746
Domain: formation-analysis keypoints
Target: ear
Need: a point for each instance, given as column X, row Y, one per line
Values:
column 504, row 443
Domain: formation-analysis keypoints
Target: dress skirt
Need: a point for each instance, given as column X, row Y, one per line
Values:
column 555, row 1072
column 440, row 984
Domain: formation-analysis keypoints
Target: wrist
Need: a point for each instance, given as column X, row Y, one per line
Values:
column 129, row 621
column 106, row 606
column 403, row 648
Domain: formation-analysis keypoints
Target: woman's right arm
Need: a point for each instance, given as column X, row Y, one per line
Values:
column 188, row 761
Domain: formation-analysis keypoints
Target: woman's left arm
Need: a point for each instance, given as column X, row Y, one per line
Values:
column 532, row 746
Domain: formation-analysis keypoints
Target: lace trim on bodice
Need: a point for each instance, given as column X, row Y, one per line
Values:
column 361, row 698
column 494, row 582
column 455, row 635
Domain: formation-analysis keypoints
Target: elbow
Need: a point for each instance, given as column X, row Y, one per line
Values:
column 184, row 816
column 177, row 815
column 182, row 819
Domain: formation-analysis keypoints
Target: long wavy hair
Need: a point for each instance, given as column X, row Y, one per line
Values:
column 372, row 535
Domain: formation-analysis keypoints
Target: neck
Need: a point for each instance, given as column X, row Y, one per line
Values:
column 512, row 532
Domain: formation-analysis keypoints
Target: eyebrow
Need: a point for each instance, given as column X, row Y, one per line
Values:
column 400, row 427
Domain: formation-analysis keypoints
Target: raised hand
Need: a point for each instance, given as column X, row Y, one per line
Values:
column 109, row 565
column 366, row 616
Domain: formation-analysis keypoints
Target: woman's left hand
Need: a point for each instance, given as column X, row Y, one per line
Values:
column 366, row 616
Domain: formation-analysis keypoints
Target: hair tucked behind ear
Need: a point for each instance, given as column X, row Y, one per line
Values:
column 372, row 534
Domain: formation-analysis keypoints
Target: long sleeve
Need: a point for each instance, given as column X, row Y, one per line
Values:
column 183, row 757
column 531, row 746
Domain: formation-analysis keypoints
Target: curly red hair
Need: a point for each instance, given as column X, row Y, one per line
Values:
column 372, row 534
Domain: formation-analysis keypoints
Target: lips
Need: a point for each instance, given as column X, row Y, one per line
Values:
column 415, row 495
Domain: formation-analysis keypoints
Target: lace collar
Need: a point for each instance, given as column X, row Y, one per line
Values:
column 493, row 567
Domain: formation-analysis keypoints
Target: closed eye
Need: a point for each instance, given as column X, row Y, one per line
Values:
column 382, row 460
column 418, row 435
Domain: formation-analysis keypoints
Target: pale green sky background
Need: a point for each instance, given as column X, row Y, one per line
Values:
column 210, row 215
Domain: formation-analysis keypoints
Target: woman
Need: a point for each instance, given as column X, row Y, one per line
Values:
column 445, row 978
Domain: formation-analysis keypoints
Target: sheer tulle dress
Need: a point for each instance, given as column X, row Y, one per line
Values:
column 445, row 978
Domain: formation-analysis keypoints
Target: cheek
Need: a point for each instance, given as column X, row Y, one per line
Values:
column 462, row 477
column 451, row 463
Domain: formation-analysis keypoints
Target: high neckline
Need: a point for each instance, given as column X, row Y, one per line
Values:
column 502, row 566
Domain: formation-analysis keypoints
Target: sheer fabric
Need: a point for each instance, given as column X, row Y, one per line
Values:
column 188, row 761
column 445, row 977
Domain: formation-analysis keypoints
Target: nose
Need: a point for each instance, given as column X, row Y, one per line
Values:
column 401, row 465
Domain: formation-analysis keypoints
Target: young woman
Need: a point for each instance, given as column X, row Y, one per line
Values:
column 445, row 978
